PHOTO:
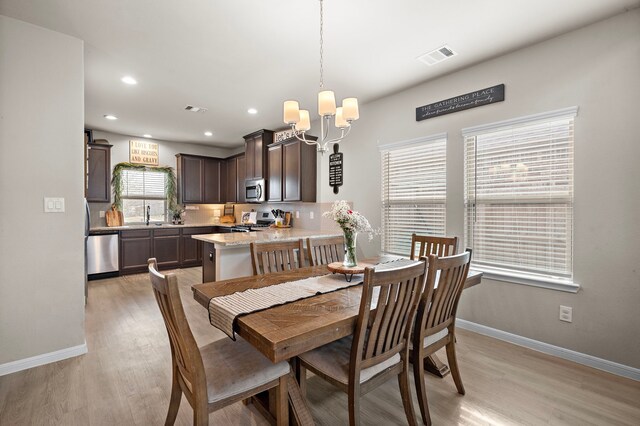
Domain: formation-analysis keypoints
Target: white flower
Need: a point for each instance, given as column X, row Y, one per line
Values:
column 348, row 219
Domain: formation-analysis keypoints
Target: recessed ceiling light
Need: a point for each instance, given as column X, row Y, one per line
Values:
column 127, row 79
column 147, row 135
column 208, row 134
column 252, row 111
column 110, row 117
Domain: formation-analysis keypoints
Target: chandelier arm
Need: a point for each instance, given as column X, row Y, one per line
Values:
column 342, row 136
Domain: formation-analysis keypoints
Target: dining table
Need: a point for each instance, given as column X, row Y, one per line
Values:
column 283, row 332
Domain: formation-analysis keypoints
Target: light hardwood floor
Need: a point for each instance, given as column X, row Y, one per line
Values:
column 125, row 378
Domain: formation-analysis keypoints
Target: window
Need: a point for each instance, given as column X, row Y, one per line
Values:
column 519, row 196
column 413, row 191
column 142, row 188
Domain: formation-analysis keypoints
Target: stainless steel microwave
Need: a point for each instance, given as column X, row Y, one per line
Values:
column 255, row 190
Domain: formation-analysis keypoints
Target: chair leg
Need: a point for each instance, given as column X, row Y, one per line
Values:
column 282, row 403
column 453, row 366
column 405, row 392
column 174, row 402
column 301, row 375
column 354, row 404
column 421, row 391
column 200, row 416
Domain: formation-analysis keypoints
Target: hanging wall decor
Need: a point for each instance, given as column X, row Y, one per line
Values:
column 469, row 100
column 143, row 153
column 335, row 169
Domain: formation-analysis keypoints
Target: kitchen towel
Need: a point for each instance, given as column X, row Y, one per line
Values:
column 224, row 310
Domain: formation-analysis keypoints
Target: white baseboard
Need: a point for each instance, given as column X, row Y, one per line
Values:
column 578, row 357
column 35, row 361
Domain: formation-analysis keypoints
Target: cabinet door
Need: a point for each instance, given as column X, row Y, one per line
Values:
column 98, row 174
column 274, row 177
column 211, row 181
column 291, row 171
column 232, row 180
column 191, row 175
column 250, row 158
column 135, row 250
column 191, row 251
column 258, row 157
column 166, row 248
column 241, row 173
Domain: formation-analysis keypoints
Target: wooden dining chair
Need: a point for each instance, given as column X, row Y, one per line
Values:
column 424, row 245
column 217, row 374
column 325, row 250
column 277, row 256
column 435, row 325
column 379, row 347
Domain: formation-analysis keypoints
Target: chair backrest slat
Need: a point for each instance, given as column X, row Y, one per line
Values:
column 424, row 245
column 184, row 349
column 384, row 331
column 445, row 281
column 267, row 258
column 325, row 250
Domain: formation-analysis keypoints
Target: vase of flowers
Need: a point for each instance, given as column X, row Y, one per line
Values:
column 351, row 222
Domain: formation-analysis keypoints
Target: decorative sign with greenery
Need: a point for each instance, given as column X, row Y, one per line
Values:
column 116, row 182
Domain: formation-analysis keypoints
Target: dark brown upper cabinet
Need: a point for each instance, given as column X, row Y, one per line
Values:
column 255, row 149
column 201, row 180
column 98, row 185
column 235, row 175
column 292, row 171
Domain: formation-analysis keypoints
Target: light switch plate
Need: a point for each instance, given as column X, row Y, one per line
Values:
column 101, row 213
column 53, row 205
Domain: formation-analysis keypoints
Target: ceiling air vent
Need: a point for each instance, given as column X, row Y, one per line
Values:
column 195, row 108
column 438, row 55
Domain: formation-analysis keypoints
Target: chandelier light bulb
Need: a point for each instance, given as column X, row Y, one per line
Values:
column 341, row 123
column 326, row 103
column 350, row 110
column 291, row 112
column 304, row 124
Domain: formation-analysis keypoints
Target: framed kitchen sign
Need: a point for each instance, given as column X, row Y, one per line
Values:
column 335, row 169
column 469, row 100
column 143, row 153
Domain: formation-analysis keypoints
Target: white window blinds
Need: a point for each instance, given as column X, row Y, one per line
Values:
column 414, row 193
column 143, row 184
column 519, row 195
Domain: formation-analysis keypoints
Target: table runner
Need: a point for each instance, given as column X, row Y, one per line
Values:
column 224, row 310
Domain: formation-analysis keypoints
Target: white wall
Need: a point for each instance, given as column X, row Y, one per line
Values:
column 596, row 68
column 41, row 154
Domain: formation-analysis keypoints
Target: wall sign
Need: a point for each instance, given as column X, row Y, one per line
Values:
column 143, row 153
column 335, row 169
column 283, row 135
column 460, row 103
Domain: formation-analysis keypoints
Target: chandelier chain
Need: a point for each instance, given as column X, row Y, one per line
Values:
column 321, row 43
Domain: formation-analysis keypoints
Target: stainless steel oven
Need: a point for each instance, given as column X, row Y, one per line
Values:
column 255, row 190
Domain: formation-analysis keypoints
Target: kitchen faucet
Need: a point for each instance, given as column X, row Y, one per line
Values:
column 148, row 214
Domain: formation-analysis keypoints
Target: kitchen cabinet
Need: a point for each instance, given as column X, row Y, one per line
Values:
column 98, row 178
column 191, row 250
column 255, row 150
column 172, row 248
column 166, row 248
column 234, row 167
column 135, row 249
column 292, row 171
column 199, row 179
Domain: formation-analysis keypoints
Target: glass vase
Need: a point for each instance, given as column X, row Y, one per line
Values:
column 350, row 237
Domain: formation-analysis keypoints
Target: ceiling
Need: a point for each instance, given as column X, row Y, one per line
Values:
column 229, row 56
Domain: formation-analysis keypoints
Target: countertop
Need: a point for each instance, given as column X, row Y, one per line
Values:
column 267, row 235
column 154, row 226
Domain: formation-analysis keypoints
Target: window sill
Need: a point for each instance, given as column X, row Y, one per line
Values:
column 524, row 279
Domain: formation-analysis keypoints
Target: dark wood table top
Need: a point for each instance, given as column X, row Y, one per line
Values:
column 285, row 331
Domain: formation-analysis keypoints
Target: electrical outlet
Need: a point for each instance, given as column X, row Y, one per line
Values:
column 566, row 313
column 310, row 215
column 297, row 214
column 101, row 213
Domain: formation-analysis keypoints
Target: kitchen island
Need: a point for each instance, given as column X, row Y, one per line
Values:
column 227, row 256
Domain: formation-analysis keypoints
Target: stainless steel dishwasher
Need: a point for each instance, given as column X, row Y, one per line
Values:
column 102, row 255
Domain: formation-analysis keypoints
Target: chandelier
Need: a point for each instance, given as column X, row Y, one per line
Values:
column 298, row 118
